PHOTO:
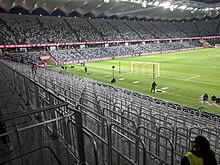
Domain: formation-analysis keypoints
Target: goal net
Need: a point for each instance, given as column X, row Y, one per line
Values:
column 149, row 69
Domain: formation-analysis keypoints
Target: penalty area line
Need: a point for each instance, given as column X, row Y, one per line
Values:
column 192, row 77
column 135, row 82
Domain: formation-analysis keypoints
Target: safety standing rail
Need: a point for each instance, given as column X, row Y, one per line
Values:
column 56, row 127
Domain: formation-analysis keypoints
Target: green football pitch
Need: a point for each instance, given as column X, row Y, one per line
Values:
column 184, row 76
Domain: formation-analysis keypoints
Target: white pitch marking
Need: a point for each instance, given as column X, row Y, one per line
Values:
column 107, row 76
column 213, row 66
column 121, row 79
column 164, row 88
column 192, row 77
column 135, row 82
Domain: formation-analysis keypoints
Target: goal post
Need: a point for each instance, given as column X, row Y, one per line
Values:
column 150, row 69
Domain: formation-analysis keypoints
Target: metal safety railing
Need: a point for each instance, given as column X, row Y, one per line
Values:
column 51, row 157
column 113, row 123
column 55, row 125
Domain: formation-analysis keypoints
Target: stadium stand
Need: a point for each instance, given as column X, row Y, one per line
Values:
column 205, row 28
column 122, row 127
column 188, row 28
column 56, row 29
column 6, row 37
column 124, row 29
column 107, row 31
column 86, row 54
column 23, row 28
column 84, row 30
column 173, row 30
column 60, row 117
column 44, row 29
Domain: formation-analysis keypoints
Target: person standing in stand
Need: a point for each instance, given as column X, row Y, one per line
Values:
column 201, row 153
column 34, row 68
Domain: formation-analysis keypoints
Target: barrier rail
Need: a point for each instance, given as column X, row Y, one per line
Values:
column 111, row 122
column 55, row 124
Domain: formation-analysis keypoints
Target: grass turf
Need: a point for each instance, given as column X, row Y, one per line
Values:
column 184, row 75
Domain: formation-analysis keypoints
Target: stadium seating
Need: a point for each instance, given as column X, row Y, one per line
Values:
column 122, row 127
column 56, row 30
column 44, row 29
column 205, row 29
column 126, row 125
column 84, row 30
column 107, row 31
column 86, row 54
column 6, row 36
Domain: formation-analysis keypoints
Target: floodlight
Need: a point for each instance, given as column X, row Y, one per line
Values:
column 166, row 4
column 156, row 3
column 175, row 6
column 183, row 7
column 144, row 4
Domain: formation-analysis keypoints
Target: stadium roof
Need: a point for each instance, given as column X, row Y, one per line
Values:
column 118, row 9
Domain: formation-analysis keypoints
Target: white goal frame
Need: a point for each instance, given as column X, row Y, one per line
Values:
column 151, row 69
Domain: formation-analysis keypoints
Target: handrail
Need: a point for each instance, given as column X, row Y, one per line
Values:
column 53, row 99
column 185, row 108
column 21, row 114
column 91, row 138
column 33, row 81
column 135, row 135
column 34, row 125
column 160, row 135
column 47, row 147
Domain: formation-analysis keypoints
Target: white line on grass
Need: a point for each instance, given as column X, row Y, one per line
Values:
column 164, row 88
column 107, row 76
column 192, row 77
column 135, row 82
column 206, row 83
column 214, row 66
column 121, row 79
